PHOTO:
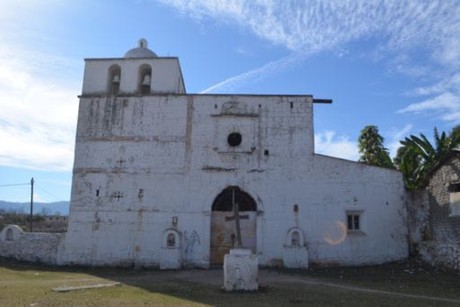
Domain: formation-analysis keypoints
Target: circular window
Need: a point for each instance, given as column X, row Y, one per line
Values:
column 234, row 139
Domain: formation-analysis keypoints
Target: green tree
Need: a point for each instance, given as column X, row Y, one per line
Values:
column 407, row 161
column 370, row 144
column 418, row 156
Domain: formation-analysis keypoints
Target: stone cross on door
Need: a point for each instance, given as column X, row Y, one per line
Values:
column 236, row 217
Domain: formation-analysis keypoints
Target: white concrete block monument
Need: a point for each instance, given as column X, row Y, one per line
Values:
column 241, row 270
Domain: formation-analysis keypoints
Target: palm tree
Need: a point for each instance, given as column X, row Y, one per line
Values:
column 417, row 157
column 407, row 161
column 370, row 144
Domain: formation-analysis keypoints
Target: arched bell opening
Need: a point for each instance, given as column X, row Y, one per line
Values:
column 114, row 79
column 145, row 79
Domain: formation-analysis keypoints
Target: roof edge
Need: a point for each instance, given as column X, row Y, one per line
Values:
column 130, row 59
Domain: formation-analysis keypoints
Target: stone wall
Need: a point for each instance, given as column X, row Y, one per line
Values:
column 29, row 246
column 437, row 232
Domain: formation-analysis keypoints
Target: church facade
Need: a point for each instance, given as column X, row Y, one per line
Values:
column 158, row 172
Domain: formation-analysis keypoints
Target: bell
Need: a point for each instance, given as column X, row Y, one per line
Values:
column 146, row 81
column 116, row 79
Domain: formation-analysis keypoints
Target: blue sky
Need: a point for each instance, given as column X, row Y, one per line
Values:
column 394, row 64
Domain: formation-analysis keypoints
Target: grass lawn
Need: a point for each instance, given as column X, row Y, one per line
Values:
column 404, row 284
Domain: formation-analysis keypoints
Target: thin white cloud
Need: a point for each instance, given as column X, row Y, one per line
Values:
column 253, row 75
column 443, row 100
column 451, row 83
column 38, row 100
column 36, row 146
column 403, row 28
column 37, row 122
column 317, row 25
column 328, row 143
column 244, row 51
column 446, row 106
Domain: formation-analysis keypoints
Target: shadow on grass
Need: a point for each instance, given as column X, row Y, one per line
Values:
column 278, row 287
column 190, row 286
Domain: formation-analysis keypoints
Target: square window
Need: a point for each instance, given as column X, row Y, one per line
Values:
column 454, row 187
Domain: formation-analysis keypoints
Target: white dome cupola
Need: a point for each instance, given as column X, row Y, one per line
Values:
column 142, row 51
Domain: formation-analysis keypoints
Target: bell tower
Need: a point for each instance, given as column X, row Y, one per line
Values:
column 139, row 72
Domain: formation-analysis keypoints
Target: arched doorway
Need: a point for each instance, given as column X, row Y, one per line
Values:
column 223, row 223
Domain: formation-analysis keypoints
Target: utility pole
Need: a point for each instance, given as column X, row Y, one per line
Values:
column 31, row 203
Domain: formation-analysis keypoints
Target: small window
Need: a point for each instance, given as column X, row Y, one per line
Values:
column 234, row 139
column 353, row 221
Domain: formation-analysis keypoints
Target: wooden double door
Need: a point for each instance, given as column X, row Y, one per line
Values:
column 224, row 226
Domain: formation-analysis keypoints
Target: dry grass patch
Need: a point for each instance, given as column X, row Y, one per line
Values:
column 24, row 284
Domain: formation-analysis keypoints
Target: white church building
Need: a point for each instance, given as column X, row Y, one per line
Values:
column 157, row 171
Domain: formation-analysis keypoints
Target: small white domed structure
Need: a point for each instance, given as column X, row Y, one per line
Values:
column 141, row 51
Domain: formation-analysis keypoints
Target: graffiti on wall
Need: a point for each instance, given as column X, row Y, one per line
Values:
column 190, row 241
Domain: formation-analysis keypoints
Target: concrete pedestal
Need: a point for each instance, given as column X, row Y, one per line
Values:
column 170, row 258
column 241, row 269
column 295, row 257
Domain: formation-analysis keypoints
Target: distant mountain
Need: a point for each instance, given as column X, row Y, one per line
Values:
column 56, row 208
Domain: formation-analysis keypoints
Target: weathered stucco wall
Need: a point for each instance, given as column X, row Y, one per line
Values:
column 378, row 194
column 146, row 164
column 34, row 247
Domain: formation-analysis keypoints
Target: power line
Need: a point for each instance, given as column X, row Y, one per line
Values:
column 12, row 185
column 50, row 194
column 56, row 198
